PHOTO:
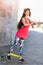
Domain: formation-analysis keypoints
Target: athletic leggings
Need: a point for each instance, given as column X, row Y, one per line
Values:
column 20, row 41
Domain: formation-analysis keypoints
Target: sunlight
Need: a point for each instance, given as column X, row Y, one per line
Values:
column 37, row 29
column 35, row 6
column 36, row 11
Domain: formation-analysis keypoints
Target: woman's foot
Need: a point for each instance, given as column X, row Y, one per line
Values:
column 8, row 58
column 21, row 60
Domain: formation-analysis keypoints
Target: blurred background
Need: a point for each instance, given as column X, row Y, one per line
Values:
column 8, row 20
column 36, row 11
column 10, row 14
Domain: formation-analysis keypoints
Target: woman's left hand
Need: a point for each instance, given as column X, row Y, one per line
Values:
column 33, row 23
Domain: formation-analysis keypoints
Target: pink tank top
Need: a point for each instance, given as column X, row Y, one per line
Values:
column 23, row 31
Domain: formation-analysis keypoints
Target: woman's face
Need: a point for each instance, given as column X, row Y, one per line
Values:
column 27, row 13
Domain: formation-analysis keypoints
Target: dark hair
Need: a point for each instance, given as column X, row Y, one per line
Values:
column 20, row 24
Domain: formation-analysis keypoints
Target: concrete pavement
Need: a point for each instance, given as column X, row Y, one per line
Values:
column 33, row 51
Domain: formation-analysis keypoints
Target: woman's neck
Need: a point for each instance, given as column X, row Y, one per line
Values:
column 26, row 17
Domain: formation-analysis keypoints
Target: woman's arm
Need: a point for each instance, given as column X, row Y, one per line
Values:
column 25, row 24
column 33, row 23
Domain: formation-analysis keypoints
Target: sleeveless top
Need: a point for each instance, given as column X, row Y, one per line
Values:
column 23, row 31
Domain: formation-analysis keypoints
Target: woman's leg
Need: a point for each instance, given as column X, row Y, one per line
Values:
column 12, row 47
column 15, row 43
column 21, row 46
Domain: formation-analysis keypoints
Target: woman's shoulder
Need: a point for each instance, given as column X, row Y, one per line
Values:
column 23, row 19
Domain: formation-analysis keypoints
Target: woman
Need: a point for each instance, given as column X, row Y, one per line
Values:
column 23, row 28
